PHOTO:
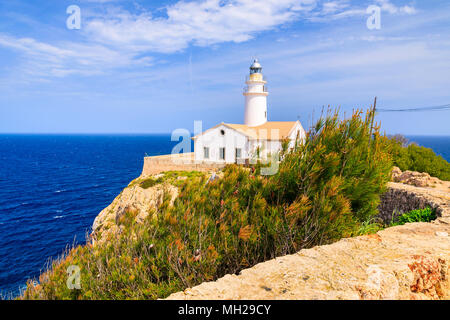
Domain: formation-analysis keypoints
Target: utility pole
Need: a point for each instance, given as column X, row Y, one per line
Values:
column 373, row 115
column 371, row 128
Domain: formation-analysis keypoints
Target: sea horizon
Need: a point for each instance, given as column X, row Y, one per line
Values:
column 164, row 133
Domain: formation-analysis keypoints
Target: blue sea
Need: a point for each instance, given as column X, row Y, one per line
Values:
column 53, row 186
column 440, row 145
column 51, row 189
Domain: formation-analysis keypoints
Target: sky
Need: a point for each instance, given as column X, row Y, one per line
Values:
column 155, row 66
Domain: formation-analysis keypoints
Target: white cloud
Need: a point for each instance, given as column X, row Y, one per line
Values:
column 211, row 22
column 120, row 38
column 101, row 1
column 45, row 60
column 334, row 6
column 202, row 23
column 340, row 9
column 389, row 7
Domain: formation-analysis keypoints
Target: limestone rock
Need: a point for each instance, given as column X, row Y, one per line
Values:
column 418, row 179
column 402, row 262
column 396, row 173
column 141, row 202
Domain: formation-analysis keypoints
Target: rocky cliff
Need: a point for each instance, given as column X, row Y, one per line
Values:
column 140, row 197
column 404, row 262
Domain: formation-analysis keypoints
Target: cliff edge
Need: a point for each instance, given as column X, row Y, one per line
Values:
column 403, row 262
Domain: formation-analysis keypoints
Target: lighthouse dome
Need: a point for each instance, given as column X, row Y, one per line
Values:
column 256, row 65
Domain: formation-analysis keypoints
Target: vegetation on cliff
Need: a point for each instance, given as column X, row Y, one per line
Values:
column 419, row 215
column 325, row 189
column 410, row 156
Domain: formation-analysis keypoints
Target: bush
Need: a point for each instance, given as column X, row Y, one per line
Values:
column 325, row 189
column 345, row 154
column 149, row 182
column 416, row 158
column 420, row 215
column 370, row 227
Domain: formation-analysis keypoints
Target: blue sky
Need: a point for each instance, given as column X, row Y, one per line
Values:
column 154, row 66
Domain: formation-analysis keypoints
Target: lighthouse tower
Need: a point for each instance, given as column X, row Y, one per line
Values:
column 255, row 97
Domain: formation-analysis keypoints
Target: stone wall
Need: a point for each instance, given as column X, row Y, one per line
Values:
column 399, row 199
column 177, row 162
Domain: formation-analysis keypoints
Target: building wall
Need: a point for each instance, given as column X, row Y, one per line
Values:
column 301, row 135
column 214, row 140
column 232, row 139
column 178, row 162
column 265, row 146
column 273, row 146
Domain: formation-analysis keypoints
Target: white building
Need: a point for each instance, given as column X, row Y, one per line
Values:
column 231, row 143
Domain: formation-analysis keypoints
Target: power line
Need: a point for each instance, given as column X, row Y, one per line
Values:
column 434, row 108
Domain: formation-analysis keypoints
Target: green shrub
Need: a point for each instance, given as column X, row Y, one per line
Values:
column 420, row 215
column 369, row 227
column 149, row 182
column 343, row 152
column 325, row 189
column 416, row 158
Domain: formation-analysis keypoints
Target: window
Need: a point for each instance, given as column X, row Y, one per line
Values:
column 206, row 153
column 238, row 153
column 222, row 132
column 222, row 153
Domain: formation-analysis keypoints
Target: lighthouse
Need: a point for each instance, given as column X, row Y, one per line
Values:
column 255, row 97
column 239, row 143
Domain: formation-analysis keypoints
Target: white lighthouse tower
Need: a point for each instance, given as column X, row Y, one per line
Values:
column 237, row 143
column 255, row 97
